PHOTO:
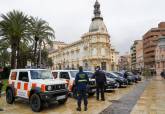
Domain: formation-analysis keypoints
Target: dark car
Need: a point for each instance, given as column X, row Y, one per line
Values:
column 134, row 76
column 111, row 84
column 122, row 81
column 130, row 79
column 93, row 82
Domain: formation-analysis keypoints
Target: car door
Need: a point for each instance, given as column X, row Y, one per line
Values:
column 23, row 84
column 65, row 76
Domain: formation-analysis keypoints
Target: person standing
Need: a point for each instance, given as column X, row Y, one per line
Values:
column 81, row 82
column 100, row 82
column 163, row 74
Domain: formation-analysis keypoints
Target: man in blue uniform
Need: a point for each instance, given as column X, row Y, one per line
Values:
column 81, row 83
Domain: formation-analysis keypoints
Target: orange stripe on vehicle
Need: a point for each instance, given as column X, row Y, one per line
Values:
column 43, row 87
column 25, row 86
column 34, row 85
column 18, row 85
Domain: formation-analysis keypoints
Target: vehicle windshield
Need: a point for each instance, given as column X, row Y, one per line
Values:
column 120, row 74
column 73, row 73
column 41, row 74
column 130, row 73
column 110, row 75
column 90, row 74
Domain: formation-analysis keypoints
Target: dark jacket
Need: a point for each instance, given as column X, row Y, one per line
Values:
column 125, row 75
column 99, row 76
column 162, row 74
column 81, row 81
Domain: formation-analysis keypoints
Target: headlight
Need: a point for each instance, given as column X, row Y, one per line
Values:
column 49, row 88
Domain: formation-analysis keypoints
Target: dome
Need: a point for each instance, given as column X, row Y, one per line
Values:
column 97, row 25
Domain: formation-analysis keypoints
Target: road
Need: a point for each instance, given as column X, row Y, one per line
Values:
column 94, row 107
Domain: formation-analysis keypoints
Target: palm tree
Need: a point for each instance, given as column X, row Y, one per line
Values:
column 14, row 29
column 42, row 33
column 4, row 54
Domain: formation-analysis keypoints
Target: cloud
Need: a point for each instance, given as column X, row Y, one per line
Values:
column 126, row 20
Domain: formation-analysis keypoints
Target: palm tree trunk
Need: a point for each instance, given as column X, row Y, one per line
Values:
column 35, row 51
column 40, row 54
column 18, row 54
column 13, row 56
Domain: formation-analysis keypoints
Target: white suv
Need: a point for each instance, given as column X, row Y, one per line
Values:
column 36, row 85
column 69, row 77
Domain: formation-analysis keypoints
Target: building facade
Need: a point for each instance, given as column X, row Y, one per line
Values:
column 125, row 62
column 133, row 56
column 114, row 60
column 137, row 62
column 160, row 55
column 93, row 49
column 149, row 45
column 139, row 55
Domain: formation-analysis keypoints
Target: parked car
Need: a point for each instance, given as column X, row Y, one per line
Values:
column 122, row 81
column 135, row 77
column 69, row 77
column 111, row 84
column 37, row 86
column 130, row 79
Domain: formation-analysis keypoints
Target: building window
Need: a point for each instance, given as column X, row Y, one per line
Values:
column 94, row 52
column 102, row 51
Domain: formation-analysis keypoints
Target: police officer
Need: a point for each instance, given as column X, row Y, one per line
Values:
column 81, row 83
column 100, row 82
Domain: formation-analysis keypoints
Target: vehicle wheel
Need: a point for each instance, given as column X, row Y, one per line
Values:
column 62, row 101
column 74, row 92
column 91, row 94
column 10, row 96
column 35, row 103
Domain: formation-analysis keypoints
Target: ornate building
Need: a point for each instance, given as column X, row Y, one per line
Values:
column 91, row 50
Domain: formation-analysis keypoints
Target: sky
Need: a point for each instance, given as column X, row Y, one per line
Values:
column 126, row 20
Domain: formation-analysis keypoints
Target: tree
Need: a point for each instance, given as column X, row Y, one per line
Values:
column 14, row 29
column 42, row 33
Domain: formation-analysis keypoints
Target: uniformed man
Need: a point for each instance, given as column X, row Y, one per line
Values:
column 81, row 83
column 100, row 82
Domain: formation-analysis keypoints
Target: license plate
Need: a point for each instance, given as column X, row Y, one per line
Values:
column 93, row 90
column 60, row 97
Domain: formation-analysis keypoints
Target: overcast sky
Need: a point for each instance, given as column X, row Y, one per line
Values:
column 126, row 20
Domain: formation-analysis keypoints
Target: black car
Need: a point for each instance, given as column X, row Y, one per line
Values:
column 134, row 76
column 122, row 81
column 111, row 84
column 130, row 79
